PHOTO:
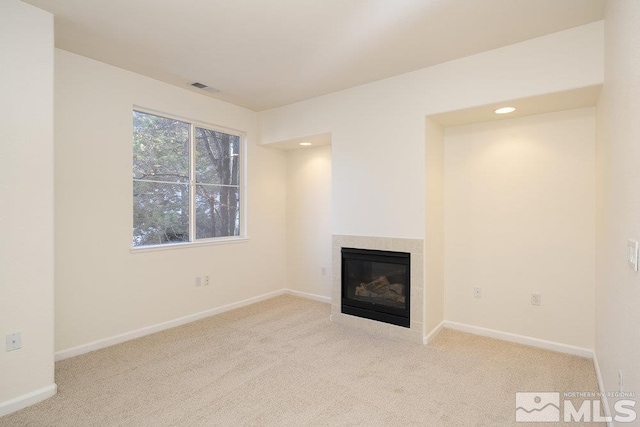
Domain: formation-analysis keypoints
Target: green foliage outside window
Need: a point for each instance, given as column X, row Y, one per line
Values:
column 167, row 187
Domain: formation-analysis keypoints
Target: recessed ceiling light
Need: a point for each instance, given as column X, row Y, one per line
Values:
column 305, row 144
column 505, row 110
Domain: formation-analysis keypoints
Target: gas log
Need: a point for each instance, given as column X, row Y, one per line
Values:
column 382, row 288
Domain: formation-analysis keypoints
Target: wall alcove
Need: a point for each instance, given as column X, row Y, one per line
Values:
column 510, row 209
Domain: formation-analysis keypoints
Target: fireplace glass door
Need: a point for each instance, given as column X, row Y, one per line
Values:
column 375, row 285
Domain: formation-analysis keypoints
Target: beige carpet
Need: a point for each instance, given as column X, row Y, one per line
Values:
column 281, row 362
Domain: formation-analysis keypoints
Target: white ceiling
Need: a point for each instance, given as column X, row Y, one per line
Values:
column 266, row 53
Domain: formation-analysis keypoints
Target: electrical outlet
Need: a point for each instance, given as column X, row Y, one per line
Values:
column 14, row 341
column 620, row 381
column 323, row 271
column 477, row 292
column 632, row 255
column 202, row 281
column 536, row 299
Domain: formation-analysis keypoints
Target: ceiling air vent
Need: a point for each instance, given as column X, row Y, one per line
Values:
column 205, row 87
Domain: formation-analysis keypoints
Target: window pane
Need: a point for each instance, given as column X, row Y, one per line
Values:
column 217, row 211
column 160, row 148
column 217, row 157
column 160, row 213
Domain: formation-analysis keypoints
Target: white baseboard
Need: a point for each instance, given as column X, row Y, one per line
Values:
column 308, row 296
column 27, row 399
column 520, row 339
column 106, row 342
column 603, row 393
column 431, row 335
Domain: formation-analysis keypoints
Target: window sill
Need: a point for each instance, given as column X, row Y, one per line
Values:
column 172, row 246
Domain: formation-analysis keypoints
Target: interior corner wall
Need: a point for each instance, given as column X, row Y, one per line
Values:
column 434, row 226
column 520, row 220
column 309, row 220
column 102, row 289
column 617, row 284
column 26, row 203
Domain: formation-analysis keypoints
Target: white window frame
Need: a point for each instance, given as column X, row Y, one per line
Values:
column 193, row 242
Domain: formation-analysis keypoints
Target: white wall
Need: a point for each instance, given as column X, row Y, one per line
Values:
column 26, row 203
column 378, row 129
column 434, row 226
column 520, row 219
column 379, row 153
column 618, row 286
column 309, row 220
column 103, row 290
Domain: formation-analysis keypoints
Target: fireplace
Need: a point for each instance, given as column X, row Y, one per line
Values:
column 376, row 285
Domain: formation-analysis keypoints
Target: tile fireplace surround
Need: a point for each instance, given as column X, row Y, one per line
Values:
column 415, row 247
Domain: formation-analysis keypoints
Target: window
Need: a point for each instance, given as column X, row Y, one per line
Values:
column 186, row 181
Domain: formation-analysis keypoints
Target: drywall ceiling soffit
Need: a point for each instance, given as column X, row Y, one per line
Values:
column 548, row 103
column 294, row 144
column 262, row 54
